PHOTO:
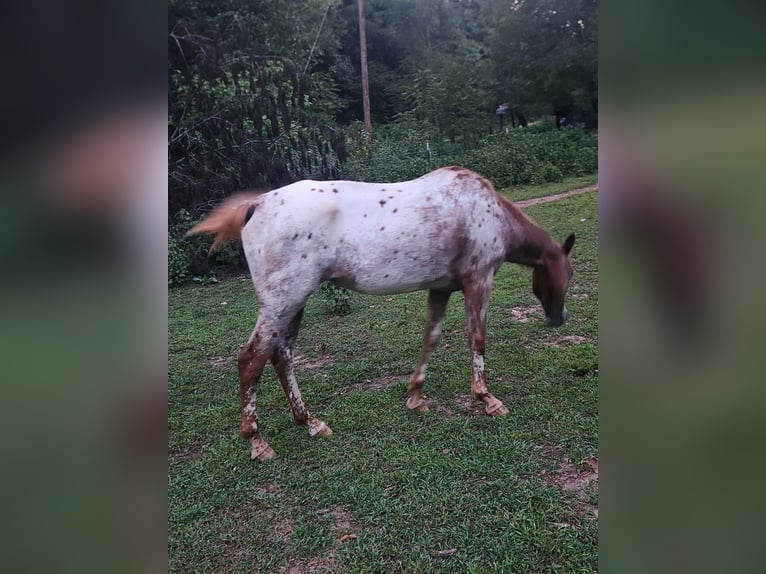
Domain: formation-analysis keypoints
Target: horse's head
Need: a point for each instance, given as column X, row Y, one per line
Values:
column 550, row 280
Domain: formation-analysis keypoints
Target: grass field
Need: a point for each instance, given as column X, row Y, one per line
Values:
column 520, row 192
column 451, row 490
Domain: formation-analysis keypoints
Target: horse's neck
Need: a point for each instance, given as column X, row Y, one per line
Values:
column 526, row 242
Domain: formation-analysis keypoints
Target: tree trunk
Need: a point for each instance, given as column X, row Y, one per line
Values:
column 365, row 78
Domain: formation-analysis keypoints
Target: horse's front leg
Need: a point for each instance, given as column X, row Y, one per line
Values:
column 283, row 364
column 476, row 295
column 437, row 305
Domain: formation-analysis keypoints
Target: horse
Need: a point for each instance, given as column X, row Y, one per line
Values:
column 446, row 231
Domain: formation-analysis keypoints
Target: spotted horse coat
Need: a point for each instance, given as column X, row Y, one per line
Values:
column 443, row 232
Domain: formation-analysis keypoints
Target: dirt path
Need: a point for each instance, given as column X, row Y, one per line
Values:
column 556, row 197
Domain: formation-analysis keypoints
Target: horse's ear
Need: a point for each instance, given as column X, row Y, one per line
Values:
column 568, row 243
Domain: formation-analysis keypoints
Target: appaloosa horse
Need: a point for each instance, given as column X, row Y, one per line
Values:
column 446, row 231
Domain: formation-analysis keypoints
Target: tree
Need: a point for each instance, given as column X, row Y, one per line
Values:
column 247, row 107
column 545, row 56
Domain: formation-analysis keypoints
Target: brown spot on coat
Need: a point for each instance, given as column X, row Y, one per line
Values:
column 396, row 209
column 309, row 237
column 382, row 202
column 334, row 190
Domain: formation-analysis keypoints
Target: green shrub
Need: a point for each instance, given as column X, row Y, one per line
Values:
column 397, row 153
column 337, row 299
column 178, row 264
column 534, row 156
column 198, row 264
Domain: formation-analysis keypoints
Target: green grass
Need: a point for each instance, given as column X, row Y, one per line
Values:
column 520, row 192
column 408, row 485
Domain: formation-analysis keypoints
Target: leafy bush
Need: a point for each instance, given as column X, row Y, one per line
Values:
column 178, row 263
column 534, row 156
column 397, row 153
column 337, row 299
column 189, row 257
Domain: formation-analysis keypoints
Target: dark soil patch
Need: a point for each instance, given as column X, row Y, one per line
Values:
column 344, row 522
column 468, row 404
column 221, row 362
column 580, row 480
column 269, row 490
column 525, row 314
column 377, row 384
column 445, row 411
column 283, row 529
column 194, row 452
column 566, row 341
column 301, row 363
column 233, row 525
column 345, row 529
column 327, row 564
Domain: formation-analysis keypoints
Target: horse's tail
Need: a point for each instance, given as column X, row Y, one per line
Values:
column 226, row 221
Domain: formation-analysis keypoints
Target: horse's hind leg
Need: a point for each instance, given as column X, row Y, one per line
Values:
column 283, row 364
column 251, row 362
column 476, row 303
column 437, row 305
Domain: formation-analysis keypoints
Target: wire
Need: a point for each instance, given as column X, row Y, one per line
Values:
column 321, row 24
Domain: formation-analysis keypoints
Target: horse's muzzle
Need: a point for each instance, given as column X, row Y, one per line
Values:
column 558, row 320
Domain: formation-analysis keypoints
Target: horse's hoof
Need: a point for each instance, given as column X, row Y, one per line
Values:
column 261, row 451
column 495, row 408
column 419, row 405
column 319, row 428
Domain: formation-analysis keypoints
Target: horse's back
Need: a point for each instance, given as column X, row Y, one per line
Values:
column 372, row 237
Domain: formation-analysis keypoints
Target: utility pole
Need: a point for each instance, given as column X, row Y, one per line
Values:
column 365, row 77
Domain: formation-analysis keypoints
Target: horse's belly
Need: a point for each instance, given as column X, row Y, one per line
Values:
column 392, row 279
column 393, row 288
